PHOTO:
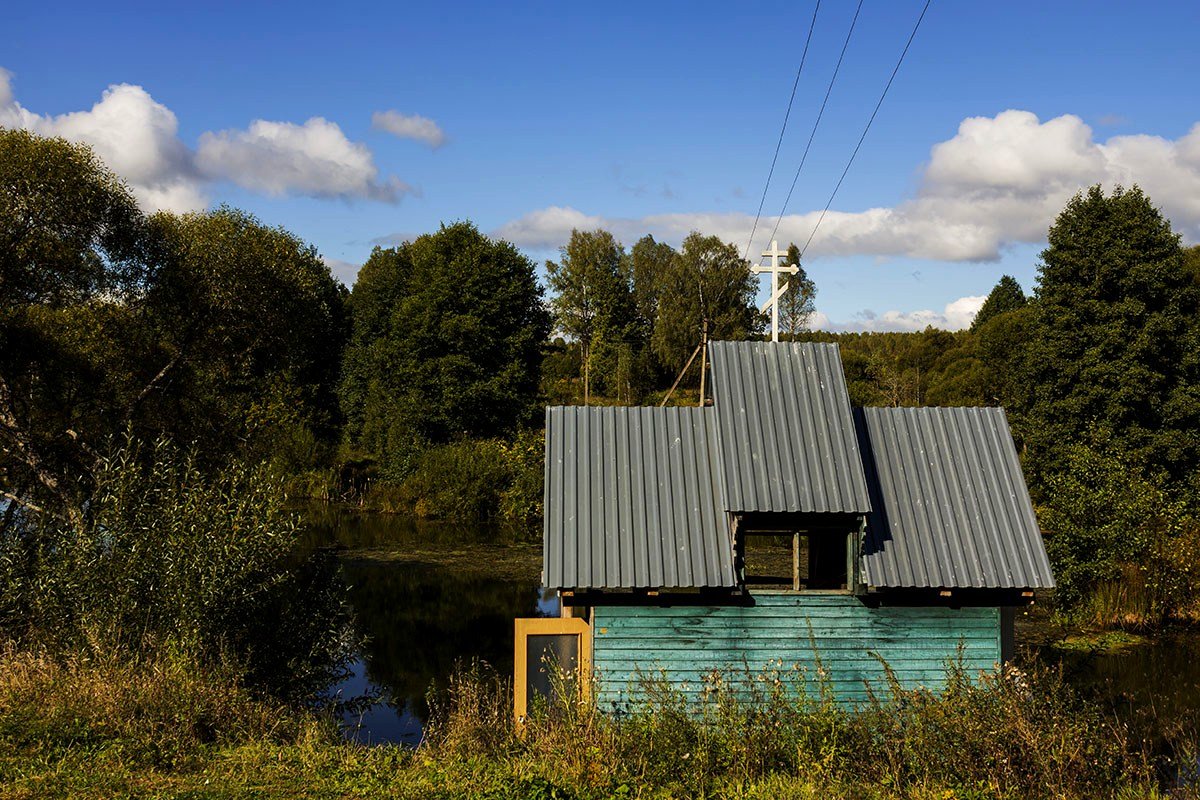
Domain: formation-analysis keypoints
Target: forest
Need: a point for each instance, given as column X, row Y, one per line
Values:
column 419, row 390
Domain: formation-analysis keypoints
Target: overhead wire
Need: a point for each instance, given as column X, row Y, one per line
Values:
column 853, row 155
column 775, row 158
column 817, row 122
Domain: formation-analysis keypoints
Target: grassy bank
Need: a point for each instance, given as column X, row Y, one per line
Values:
column 165, row 729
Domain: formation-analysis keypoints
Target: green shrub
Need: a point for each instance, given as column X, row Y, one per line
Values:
column 1124, row 549
column 460, row 481
column 473, row 480
column 521, row 500
column 170, row 558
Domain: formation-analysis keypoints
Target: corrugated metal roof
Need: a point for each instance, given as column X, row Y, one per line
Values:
column 786, row 430
column 633, row 500
column 951, row 506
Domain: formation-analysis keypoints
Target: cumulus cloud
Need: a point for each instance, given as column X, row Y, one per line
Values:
column 409, row 126
column 133, row 134
column 957, row 314
column 999, row 181
column 314, row 159
column 138, row 138
column 344, row 271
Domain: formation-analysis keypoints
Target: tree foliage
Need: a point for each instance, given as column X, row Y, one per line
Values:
column 648, row 261
column 1114, row 356
column 1005, row 296
column 707, row 280
column 798, row 303
column 69, row 228
column 180, row 326
column 73, row 250
column 594, row 306
column 249, row 325
column 446, row 342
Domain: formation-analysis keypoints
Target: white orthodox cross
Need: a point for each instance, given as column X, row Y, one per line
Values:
column 777, row 289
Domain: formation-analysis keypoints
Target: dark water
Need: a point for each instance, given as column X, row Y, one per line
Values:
column 423, row 617
column 1159, row 680
column 420, row 618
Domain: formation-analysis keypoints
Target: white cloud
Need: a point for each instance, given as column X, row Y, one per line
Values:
column 314, row 159
column 551, row 227
column 138, row 138
column 6, row 95
column 133, row 134
column 344, row 271
column 409, row 126
column 957, row 314
column 999, row 181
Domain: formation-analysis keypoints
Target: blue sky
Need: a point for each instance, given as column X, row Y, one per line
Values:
column 641, row 117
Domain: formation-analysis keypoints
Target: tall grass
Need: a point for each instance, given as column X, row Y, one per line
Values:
column 1012, row 734
column 163, row 727
column 160, row 710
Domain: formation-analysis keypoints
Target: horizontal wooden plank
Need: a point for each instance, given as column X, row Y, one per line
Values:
column 608, row 613
column 923, row 672
column 840, row 693
column 612, row 636
column 799, row 600
column 758, row 663
column 694, row 684
column 687, row 644
column 942, row 649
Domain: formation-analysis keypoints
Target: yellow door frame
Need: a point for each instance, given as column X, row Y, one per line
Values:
column 548, row 626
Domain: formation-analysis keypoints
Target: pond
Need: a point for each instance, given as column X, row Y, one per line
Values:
column 431, row 595
column 427, row 596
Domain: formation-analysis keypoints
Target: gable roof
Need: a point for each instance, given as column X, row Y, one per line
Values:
column 951, row 508
column 786, row 431
column 632, row 500
column 644, row 497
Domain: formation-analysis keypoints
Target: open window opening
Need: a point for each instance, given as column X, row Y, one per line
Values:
column 796, row 560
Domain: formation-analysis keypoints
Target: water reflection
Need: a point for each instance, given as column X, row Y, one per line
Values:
column 1158, row 681
column 421, row 618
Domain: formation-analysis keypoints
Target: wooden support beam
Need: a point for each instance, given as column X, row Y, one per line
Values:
column 795, row 562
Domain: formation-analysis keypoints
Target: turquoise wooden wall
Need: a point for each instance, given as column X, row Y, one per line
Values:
column 688, row 642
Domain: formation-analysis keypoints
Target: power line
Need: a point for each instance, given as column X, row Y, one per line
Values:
column 817, row 123
column 908, row 44
column 782, row 130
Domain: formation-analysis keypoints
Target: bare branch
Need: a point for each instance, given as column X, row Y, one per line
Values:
column 152, row 385
column 22, row 447
column 24, row 503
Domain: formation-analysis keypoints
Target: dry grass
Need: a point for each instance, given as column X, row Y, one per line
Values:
column 162, row 711
column 97, row 729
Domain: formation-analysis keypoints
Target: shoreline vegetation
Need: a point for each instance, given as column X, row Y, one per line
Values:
column 162, row 728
